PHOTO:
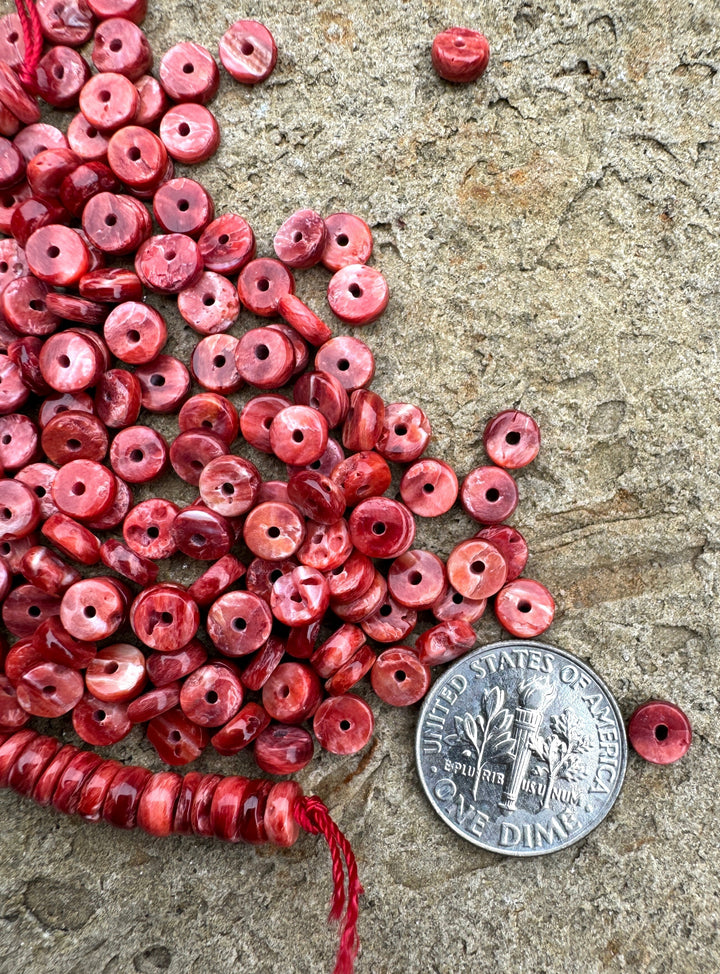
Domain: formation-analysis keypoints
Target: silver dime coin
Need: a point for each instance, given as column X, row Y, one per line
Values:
column 521, row 748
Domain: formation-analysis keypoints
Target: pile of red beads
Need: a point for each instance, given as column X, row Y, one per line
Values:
column 331, row 588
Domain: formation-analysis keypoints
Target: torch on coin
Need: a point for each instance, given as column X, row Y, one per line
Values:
column 533, row 697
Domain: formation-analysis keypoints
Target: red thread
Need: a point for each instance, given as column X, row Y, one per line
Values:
column 32, row 35
column 312, row 816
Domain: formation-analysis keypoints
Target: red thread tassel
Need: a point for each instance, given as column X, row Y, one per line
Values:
column 33, row 37
column 312, row 816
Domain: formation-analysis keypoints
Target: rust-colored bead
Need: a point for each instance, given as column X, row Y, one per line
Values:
column 305, row 322
column 451, row 606
column 164, row 384
column 352, row 672
column 49, row 690
column 337, row 650
column 55, row 644
column 298, row 435
column 364, row 422
column 326, row 546
column 31, row 763
column 390, row 622
column 203, row 534
column 382, row 528
column 74, row 435
column 152, row 102
column 153, row 703
column 445, row 642
column 226, row 810
column 94, row 790
column 137, row 157
column 263, row 664
column 512, row 439
column 363, row 605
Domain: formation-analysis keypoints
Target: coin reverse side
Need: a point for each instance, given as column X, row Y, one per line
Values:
column 521, row 748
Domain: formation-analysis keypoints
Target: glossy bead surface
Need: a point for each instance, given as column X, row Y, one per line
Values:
column 300, row 240
column 15, row 98
column 210, row 412
column 261, row 284
column 352, row 672
column 390, row 622
column 94, row 790
column 273, row 530
column 382, row 528
column 417, row 579
column 256, row 418
column 31, row 214
column 460, row 55
column 188, row 73
column 168, row 263
column 164, row 384
column 362, row 475
column 25, row 607
column 12, row 43
column 47, row 170
column 358, row 294
column 316, row 496
column 12, row 165
column 337, row 650
column 300, row 597
column 280, row 823
column 343, row 725
column 283, row 749
column 263, row 664
column 153, row 703
column 45, row 787
column 118, row 398
column 147, row 528
column 242, row 730
column 70, row 362
column 71, row 493
column 19, row 510
column 323, row 392
column 72, row 538
column 165, row 668
column 30, row 764
column 69, row 22
column 292, row 693
column 213, row 362
column 152, row 102
column 363, row 605
column 92, row 609
column 138, row 454
column 135, row 333
column 264, row 357
column 238, row 623
column 248, row 51
column 399, row 678
column 211, row 695
column 18, row 441
column 227, row 805
column 49, row 690
column 305, row 322
column 157, row 803
column 451, row 605
column 23, row 304
column 660, row 732
column 134, row 10
column 298, row 435
column 109, row 101
column 217, row 579
column 364, row 422
column 227, row 244
column 183, row 206
column 12, row 715
column 164, row 617
column 476, row 569
column 191, row 451
column 512, row 439
column 70, row 783
column 86, row 140
column 445, row 642
column 74, row 435
column 201, row 811
column 176, row 739
column 511, row 545
column 117, row 674
column 55, row 644
column 114, row 223
column 10, row 751
column 348, row 359
column 352, row 578
column 121, row 46
column 43, row 569
column 489, row 494
column 349, row 241
column 123, row 797
column 203, row 534
column 405, row 433
column 57, row 255
column 190, row 133
column 525, row 608
column 229, row 485
column 326, row 546
column 429, row 487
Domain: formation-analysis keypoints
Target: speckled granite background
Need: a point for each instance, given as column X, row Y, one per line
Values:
column 550, row 236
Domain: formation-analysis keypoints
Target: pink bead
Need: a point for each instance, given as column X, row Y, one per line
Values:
column 11, row 198
column 303, row 320
column 30, row 214
column 18, row 441
column 164, row 617
column 26, row 607
column 152, row 102
column 244, row 727
column 300, row 597
column 323, row 392
column 362, row 475
column 511, row 545
column 316, row 496
column 348, row 359
column 417, row 579
column 135, row 333
column 476, row 569
column 10, row 751
column 213, row 362
column 300, row 240
column 165, row 668
column 280, row 823
column 390, row 622
column 264, row 357
column 337, row 650
column 201, row 811
column 92, row 609
column 188, row 73
column 292, row 693
column 116, row 224
column 227, row 244
column 138, row 454
column 176, row 739
column 137, row 157
column 12, row 165
column 70, row 362
column 256, row 418
column 190, row 133
column 57, row 255
column 216, row 580
column 210, row 305
column 298, row 435
column 134, row 10
column 229, row 485
column 283, row 749
column 117, row 674
column 169, row 263
column 452, row 606
column 261, row 284
column 86, row 141
column 192, row 451
column 157, row 803
column 489, row 494
column 358, row 294
column 382, row 528
column 112, row 284
column 660, row 732
column 153, row 703
column 349, row 241
column 363, row 605
column 352, row 578
column 36, row 138
column 12, row 43
column 343, row 725
column 460, row 55
column 263, row 664
column 209, row 411
column 525, row 608
column 301, row 353
column 117, row 398
column 123, row 797
column 68, row 22
column 183, row 206
column 248, row 51
column 351, row 672
column 405, row 434
column 164, row 384
column 399, row 678
column 261, row 575
column 183, row 809
column 19, row 510
column 326, row 546
column 147, row 528
column 15, row 99
column 121, row 46
column 429, row 488
column 332, row 455
column 23, row 303
column 512, row 439
column 238, row 623
column 273, row 531
column 74, row 435
column 46, row 571
column 364, row 422
column 47, row 170
column 445, row 642
column 109, row 101
column 71, row 493
column 211, row 695
column 45, row 787
column 49, row 690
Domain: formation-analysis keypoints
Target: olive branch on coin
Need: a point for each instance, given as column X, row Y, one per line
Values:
column 488, row 732
column 560, row 752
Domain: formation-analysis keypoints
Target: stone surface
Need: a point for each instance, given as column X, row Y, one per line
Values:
column 550, row 239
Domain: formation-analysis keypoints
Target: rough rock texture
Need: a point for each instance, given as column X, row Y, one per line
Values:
column 551, row 240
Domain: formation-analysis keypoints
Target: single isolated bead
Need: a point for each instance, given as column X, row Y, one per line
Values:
column 349, row 241
column 525, row 608
column 344, row 724
column 512, row 439
column 300, row 240
column 348, row 359
column 489, row 494
column 248, row 51
column 358, row 294
column 188, row 73
column 660, row 732
column 460, row 54
column 476, row 569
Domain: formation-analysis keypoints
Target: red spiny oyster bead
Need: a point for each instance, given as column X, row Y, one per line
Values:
column 344, row 724
column 121, row 46
column 248, row 51
column 323, row 392
column 92, row 609
column 15, row 99
column 263, row 663
column 292, row 693
column 316, row 496
column 21, row 658
column 348, row 359
column 476, row 569
column 68, row 790
column 210, row 412
column 123, row 798
column 238, row 623
column 18, row 441
column 153, row 703
column 25, row 353
column 57, row 255
column 362, row 475
column 489, row 494
column 183, row 206
column 109, row 101
column 352, row 672
column 227, row 244
column 156, row 811
column 117, row 674
column 300, row 240
column 349, row 241
column 283, row 749
column 74, row 435
column 164, row 384
column 13, row 551
column 36, row 138
column 12, row 715
column 70, row 362
column 363, row 605
column 390, row 622
column 68, row 22
column 280, row 823
column 13, row 263
column 364, row 421
column 76, row 309
column 5, row 583
column 274, row 531
column 326, row 546
column 147, row 528
column 10, row 751
column 134, row 10
column 417, row 579
column 70, row 491
column 115, row 224
column 512, row 439
column 229, row 485
column 183, row 808
column 164, row 617
column 12, row 165
column 298, row 435
column 116, row 514
column 138, row 454
column 19, row 510
column 303, row 320
column 49, row 690
column 256, row 418
column 511, row 545
column 94, row 790
column 227, row 803
column 26, row 607
column 137, row 157
column 203, row 534
column 211, row 305
column 101, row 722
column 30, row 764
column 211, row 695
column 72, row 538
column 13, row 391
column 47, row 170
column 261, row 284
column 190, row 133
column 86, row 141
column 301, row 640
column 177, row 739
column 118, row 398
column 252, row 813
column 382, row 528
column 213, row 363
column 273, row 490
column 45, row 787
column 399, row 678
column 264, row 358
column 135, row 333
column 219, row 576
column 24, row 306
column 111, row 284
column 55, row 644
column 429, row 487
column 358, row 294
column 331, row 456
column 337, row 650
column 300, row 597
column 244, row 727
column 261, row 575
column 31, row 214
column 201, row 810
column 152, row 103
column 451, row 605
column 405, row 434
column 188, row 73
column 445, row 642
column 191, row 452
column 165, row 668
column 524, row 607
column 301, row 353
column 460, row 54
column 168, row 263
column 660, row 732
column 12, row 42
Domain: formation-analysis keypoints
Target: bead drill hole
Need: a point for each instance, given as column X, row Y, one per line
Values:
column 174, row 736
column 183, row 129
column 89, row 611
column 133, row 153
column 3, row 263
column 137, row 456
column 317, row 538
column 13, row 36
column 240, row 625
column 53, row 252
column 77, row 489
column 166, row 618
column 228, row 490
column 170, row 255
column 297, row 237
column 512, row 437
column 284, row 692
column 112, row 667
column 40, row 491
column 378, row 528
column 263, row 284
column 274, row 576
column 211, row 696
column 63, row 361
column 296, row 597
column 37, row 305
column 49, row 689
column 385, row 611
column 6, row 439
column 110, row 220
column 99, row 716
column 428, row 488
column 183, row 205
column 208, row 300
column 478, row 567
column 400, row 430
column 262, row 352
column 197, row 540
column 343, row 365
column 104, row 96
column 355, row 290
column 273, row 532
column 415, row 578
column 223, row 239
column 315, row 465
column 115, row 45
column 133, row 336
column 157, row 380
column 400, row 676
column 492, row 495
column 59, row 71
column 7, row 513
column 524, row 606
column 459, row 42
column 188, row 68
column 457, row 599
column 298, row 436
column 219, row 361
column 345, row 725
column 342, row 240
column 661, row 732
column 34, row 611
column 153, row 531
column 246, row 48
column 73, row 444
